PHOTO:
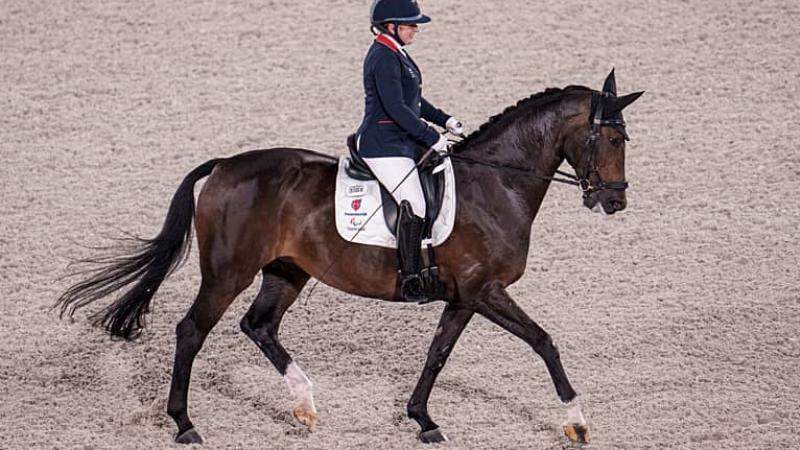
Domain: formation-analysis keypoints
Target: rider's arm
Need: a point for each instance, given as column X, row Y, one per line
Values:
column 390, row 92
column 433, row 114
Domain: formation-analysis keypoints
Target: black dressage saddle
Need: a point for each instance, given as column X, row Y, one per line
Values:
column 432, row 187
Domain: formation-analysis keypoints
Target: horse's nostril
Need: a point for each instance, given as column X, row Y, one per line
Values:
column 618, row 205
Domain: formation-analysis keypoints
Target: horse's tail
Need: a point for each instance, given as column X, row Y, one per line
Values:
column 148, row 264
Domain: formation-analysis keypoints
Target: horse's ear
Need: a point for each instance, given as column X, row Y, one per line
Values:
column 610, row 85
column 619, row 103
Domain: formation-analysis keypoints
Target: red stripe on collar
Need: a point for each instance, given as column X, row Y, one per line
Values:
column 381, row 39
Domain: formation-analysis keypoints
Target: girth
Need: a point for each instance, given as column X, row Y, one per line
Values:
column 432, row 188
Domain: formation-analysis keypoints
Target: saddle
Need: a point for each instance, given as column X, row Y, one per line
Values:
column 432, row 180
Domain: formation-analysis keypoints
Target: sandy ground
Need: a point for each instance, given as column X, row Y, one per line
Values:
column 677, row 320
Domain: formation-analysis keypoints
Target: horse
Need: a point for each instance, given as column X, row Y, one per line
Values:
column 272, row 211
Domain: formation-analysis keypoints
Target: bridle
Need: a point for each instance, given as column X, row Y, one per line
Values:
column 584, row 182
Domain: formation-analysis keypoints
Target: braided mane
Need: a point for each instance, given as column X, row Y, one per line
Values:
column 537, row 100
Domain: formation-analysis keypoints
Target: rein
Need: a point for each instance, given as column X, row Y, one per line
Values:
column 571, row 179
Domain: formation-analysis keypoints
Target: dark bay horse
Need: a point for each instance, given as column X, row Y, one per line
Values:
column 272, row 211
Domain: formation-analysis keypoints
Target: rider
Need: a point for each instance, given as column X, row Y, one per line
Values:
column 392, row 132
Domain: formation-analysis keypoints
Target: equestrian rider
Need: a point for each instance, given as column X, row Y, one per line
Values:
column 393, row 134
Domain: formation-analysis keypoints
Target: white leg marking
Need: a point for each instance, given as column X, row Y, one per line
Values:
column 299, row 387
column 574, row 414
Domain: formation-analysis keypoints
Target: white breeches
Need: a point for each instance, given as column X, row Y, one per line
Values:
column 390, row 172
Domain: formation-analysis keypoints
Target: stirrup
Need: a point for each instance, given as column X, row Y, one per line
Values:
column 412, row 288
column 435, row 289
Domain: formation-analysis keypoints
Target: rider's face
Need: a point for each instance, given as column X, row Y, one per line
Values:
column 407, row 33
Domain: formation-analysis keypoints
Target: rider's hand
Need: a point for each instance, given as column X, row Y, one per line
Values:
column 441, row 145
column 454, row 126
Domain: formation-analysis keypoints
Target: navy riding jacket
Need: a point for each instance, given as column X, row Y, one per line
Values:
column 394, row 108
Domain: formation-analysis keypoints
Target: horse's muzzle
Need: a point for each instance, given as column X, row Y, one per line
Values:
column 608, row 201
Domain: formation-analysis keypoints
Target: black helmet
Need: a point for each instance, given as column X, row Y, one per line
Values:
column 396, row 11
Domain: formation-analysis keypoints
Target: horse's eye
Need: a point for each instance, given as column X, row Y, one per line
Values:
column 615, row 141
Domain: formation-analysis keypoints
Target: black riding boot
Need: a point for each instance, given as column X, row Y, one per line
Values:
column 409, row 248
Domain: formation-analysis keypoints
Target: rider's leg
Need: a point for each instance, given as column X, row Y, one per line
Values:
column 399, row 175
column 409, row 243
column 391, row 171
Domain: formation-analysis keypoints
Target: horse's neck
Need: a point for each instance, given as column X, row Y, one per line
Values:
column 521, row 145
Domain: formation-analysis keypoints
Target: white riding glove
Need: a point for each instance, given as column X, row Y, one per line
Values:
column 441, row 145
column 455, row 126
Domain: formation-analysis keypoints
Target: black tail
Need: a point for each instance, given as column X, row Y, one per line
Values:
column 148, row 264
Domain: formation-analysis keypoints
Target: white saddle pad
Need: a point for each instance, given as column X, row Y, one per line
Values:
column 359, row 216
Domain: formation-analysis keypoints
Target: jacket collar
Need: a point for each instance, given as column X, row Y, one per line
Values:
column 390, row 42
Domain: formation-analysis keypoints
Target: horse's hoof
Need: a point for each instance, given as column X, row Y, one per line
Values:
column 189, row 436
column 432, row 436
column 306, row 416
column 577, row 432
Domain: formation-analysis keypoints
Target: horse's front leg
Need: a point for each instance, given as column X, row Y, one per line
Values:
column 494, row 303
column 451, row 324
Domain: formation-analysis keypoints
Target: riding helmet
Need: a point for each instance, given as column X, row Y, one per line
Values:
column 396, row 11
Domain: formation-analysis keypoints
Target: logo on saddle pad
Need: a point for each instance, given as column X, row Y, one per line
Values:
column 356, row 190
column 356, row 204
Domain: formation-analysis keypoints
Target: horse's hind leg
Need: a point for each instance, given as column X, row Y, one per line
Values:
column 495, row 304
column 451, row 324
column 282, row 282
column 211, row 302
